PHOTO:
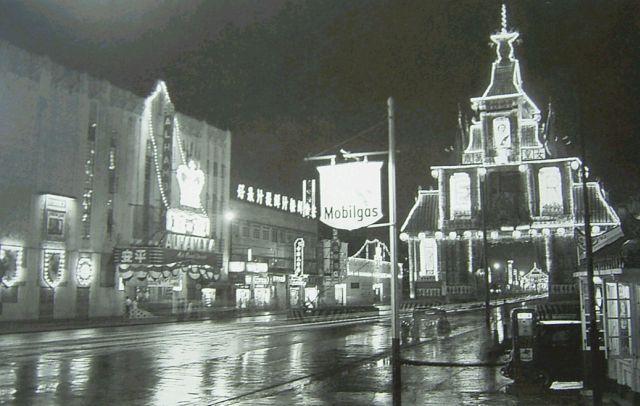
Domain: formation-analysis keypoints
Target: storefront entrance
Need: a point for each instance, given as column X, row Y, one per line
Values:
column 341, row 294
column 243, row 296
column 378, row 292
column 262, row 296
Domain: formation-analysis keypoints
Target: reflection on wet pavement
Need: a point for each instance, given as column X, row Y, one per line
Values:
column 253, row 362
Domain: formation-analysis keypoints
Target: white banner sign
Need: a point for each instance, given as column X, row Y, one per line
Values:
column 350, row 194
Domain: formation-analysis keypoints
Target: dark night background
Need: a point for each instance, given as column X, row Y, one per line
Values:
column 294, row 78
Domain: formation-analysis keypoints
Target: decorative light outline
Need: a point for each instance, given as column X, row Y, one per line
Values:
column 46, row 252
column 84, row 280
column 19, row 269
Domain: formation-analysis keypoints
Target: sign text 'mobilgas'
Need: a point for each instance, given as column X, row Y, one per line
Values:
column 350, row 212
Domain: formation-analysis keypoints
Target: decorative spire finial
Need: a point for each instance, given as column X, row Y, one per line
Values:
column 504, row 18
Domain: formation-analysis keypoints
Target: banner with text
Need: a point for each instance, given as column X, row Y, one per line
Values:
column 350, row 194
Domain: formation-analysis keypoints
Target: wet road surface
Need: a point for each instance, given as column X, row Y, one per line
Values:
column 247, row 361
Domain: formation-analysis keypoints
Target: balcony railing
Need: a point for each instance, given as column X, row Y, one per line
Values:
column 604, row 263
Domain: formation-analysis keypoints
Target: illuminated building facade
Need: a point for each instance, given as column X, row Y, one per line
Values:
column 367, row 278
column 104, row 195
column 273, row 252
column 507, row 183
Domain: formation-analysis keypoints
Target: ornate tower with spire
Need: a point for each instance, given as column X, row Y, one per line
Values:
column 528, row 203
column 509, row 121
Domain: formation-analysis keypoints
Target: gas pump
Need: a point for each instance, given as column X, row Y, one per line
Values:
column 522, row 344
column 523, row 337
column 543, row 351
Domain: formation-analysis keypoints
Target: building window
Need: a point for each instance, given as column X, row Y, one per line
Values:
column 274, row 235
column 215, row 169
column 236, row 230
column 266, row 234
column 428, row 258
column 460, row 195
column 550, row 191
column 222, row 170
column 618, row 320
column 55, row 224
column 256, row 233
column 245, row 231
column 355, row 285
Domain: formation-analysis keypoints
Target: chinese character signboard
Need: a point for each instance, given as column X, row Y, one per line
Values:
column 305, row 208
column 298, row 256
column 350, row 194
column 138, row 255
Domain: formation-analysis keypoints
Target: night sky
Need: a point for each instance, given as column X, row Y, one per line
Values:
column 294, row 78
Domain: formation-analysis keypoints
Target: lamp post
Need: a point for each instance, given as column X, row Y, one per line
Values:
column 483, row 202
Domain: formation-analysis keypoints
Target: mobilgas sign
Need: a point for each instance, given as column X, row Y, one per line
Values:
column 350, row 194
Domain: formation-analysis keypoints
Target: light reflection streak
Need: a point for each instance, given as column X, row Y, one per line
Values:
column 499, row 324
column 79, row 376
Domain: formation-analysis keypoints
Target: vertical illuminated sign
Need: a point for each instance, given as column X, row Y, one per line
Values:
column 298, row 255
column 167, row 151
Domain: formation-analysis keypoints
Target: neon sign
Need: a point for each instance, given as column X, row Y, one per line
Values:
column 10, row 264
column 276, row 200
column 298, row 252
column 191, row 182
column 189, row 223
column 84, row 272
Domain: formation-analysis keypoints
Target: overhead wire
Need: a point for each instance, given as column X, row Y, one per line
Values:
column 357, row 135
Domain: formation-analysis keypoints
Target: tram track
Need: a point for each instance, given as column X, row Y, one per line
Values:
column 297, row 382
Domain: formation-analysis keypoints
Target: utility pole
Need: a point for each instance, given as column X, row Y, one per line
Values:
column 395, row 330
column 593, row 341
column 485, row 267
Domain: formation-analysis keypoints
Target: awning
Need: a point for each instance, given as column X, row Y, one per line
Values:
column 161, row 272
column 157, row 263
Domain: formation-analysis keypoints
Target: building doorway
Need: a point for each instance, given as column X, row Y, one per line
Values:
column 341, row 294
column 378, row 293
column 242, row 298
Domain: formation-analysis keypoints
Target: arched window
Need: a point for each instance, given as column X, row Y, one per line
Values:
column 550, row 183
column 460, row 195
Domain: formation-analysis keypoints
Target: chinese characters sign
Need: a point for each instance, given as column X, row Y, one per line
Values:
column 276, row 200
column 298, row 255
column 138, row 255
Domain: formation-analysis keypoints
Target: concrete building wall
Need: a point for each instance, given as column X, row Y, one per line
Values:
column 46, row 116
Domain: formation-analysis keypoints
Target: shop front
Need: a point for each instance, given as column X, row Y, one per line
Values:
column 253, row 287
column 164, row 281
column 616, row 280
column 279, row 286
column 297, row 285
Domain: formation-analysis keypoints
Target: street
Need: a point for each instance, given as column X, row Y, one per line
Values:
column 262, row 360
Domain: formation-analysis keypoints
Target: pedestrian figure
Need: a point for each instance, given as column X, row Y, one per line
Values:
column 442, row 326
column 127, row 307
column 134, row 307
column 189, row 310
